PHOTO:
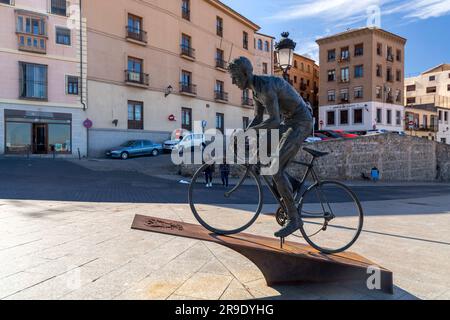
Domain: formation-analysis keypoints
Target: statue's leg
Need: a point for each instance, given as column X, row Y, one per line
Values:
column 289, row 146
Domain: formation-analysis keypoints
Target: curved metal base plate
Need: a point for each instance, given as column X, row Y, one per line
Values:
column 292, row 264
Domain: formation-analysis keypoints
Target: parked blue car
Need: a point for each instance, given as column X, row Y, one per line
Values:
column 135, row 148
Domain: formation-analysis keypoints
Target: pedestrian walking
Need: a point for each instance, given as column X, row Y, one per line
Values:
column 224, row 173
column 209, row 175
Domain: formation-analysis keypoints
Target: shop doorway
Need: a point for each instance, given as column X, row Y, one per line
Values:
column 40, row 138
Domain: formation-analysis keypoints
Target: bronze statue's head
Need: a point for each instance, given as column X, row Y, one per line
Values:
column 241, row 71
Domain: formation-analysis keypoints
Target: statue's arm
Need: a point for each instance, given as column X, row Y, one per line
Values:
column 273, row 109
column 259, row 115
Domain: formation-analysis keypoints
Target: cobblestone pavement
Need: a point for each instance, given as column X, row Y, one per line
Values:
column 65, row 235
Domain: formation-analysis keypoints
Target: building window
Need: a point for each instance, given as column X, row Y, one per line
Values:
column 245, row 122
column 308, row 68
column 331, row 121
column 302, row 67
column 344, row 95
column 295, row 64
column 398, row 118
column 440, row 116
column 378, row 92
column 358, row 91
column 398, row 75
column 220, row 123
column 359, row 50
column 390, row 57
column 7, row 2
column 63, row 36
column 448, row 87
column 59, row 7
column 73, row 85
column 265, row 70
column 379, row 70
column 331, row 75
column 411, row 88
column 432, row 78
column 33, row 81
column 359, row 71
column 266, row 46
column 345, row 53
column 219, row 26
column 398, row 96
column 411, row 100
column 379, row 116
column 295, row 79
column 389, row 75
column 134, row 28
column 135, row 115
column 135, row 70
column 331, row 95
column 446, row 117
column 186, row 9
column 343, row 117
column 431, row 89
column 331, row 55
column 358, row 116
column 389, row 116
column 345, row 76
column 399, row 55
column 379, row 49
column 245, row 40
column 260, row 44
column 186, row 119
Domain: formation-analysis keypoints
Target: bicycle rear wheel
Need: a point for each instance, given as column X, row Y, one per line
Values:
column 332, row 217
column 228, row 209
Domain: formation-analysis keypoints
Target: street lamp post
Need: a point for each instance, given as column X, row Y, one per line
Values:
column 284, row 51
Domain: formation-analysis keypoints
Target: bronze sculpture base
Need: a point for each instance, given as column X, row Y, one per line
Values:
column 292, row 264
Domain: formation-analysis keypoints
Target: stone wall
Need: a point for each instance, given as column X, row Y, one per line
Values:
column 399, row 158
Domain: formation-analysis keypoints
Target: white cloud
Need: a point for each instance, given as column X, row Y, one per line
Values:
column 348, row 12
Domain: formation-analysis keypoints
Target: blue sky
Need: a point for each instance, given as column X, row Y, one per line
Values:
column 425, row 23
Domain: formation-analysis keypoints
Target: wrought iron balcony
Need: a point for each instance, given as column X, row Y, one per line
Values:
column 187, row 51
column 220, row 63
column 247, row 101
column 136, row 34
column 344, row 59
column 136, row 77
column 220, row 95
column 186, row 14
column 219, row 31
column 188, row 88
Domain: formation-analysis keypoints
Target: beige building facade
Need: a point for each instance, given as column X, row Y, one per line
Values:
column 157, row 66
column 42, row 93
column 304, row 77
column 361, row 80
column 427, row 100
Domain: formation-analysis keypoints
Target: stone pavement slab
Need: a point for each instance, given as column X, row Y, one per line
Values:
column 81, row 250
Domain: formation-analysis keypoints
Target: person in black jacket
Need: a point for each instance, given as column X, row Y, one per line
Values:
column 224, row 173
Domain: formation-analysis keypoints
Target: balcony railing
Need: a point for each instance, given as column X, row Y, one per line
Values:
column 186, row 14
column 415, row 127
column 219, row 31
column 220, row 63
column 220, row 95
column 188, row 88
column 344, row 59
column 136, row 34
column 32, row 43
column 344, row 100
column 390, row 58
column 136, row 77
column 344, row 80
column 187, row 51
column 247, row 101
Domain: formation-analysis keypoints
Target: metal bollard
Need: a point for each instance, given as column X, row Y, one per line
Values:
column 79, row 154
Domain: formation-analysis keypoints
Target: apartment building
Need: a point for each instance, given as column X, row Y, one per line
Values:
column 304, row 77
column 264, row 55
column 157, row 66
column 41, row 92
column 427, row 101
column 361, row 80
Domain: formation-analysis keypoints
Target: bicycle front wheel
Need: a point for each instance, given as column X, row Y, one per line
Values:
column 226, row 209
column 332, row 217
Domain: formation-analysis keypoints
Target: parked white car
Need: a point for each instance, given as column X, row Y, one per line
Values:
column 376, row 132
column 189, row 141
column 312, row 139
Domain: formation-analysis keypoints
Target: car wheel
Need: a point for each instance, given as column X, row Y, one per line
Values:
column 124, row 156
column 155, row 152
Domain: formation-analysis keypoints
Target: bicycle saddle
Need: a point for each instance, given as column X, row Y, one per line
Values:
column 315, row 153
